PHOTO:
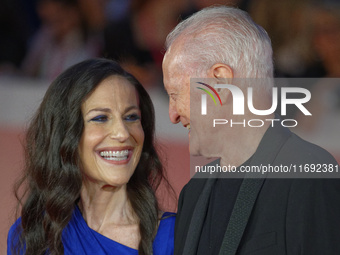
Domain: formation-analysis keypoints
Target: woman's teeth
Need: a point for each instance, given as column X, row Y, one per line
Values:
column 115, row 155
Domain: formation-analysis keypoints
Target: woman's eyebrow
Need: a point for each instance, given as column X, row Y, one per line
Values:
column 99, row 110
column 108, row 110
column 132, row 107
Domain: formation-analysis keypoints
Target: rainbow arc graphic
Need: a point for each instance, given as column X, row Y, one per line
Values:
column 204, row 97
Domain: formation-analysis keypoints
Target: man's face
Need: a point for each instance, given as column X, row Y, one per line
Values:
column 177, row 84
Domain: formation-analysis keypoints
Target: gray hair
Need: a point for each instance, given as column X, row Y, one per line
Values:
column 227, row 35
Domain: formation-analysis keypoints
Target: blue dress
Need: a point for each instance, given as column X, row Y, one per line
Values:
column 78, row 238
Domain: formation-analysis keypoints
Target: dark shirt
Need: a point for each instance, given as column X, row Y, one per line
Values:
column 221, row 203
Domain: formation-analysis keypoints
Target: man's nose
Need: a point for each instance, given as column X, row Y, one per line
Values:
column 173, row 114
column 119, row 131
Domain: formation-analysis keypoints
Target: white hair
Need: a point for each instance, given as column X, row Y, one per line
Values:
column 227, row 35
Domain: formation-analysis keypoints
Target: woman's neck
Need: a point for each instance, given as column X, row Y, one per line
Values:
column 106, row 206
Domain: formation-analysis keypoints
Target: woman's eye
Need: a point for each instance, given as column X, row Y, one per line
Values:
column 100, row 118
column 132, row 117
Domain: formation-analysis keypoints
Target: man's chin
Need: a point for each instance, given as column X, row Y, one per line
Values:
column 195, row 154
column 194, row 151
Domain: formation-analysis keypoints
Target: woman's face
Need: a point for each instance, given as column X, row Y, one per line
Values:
column 112, row 140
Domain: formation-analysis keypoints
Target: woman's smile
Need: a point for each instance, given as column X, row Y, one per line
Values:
column 118, row 156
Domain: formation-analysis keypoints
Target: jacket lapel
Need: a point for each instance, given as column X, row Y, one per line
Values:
column 266, row 153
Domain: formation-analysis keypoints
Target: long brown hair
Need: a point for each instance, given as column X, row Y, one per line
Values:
column 52, row 174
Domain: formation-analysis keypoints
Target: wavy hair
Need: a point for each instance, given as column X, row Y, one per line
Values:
column 228, row 35
column 52, row 172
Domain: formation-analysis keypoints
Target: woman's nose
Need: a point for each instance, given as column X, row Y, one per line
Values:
column 119, row 131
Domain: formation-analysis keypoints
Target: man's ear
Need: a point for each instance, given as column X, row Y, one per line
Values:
column 223, row 74
column 221, row 71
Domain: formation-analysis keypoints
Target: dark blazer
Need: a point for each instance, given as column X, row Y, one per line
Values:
column 270, row 216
